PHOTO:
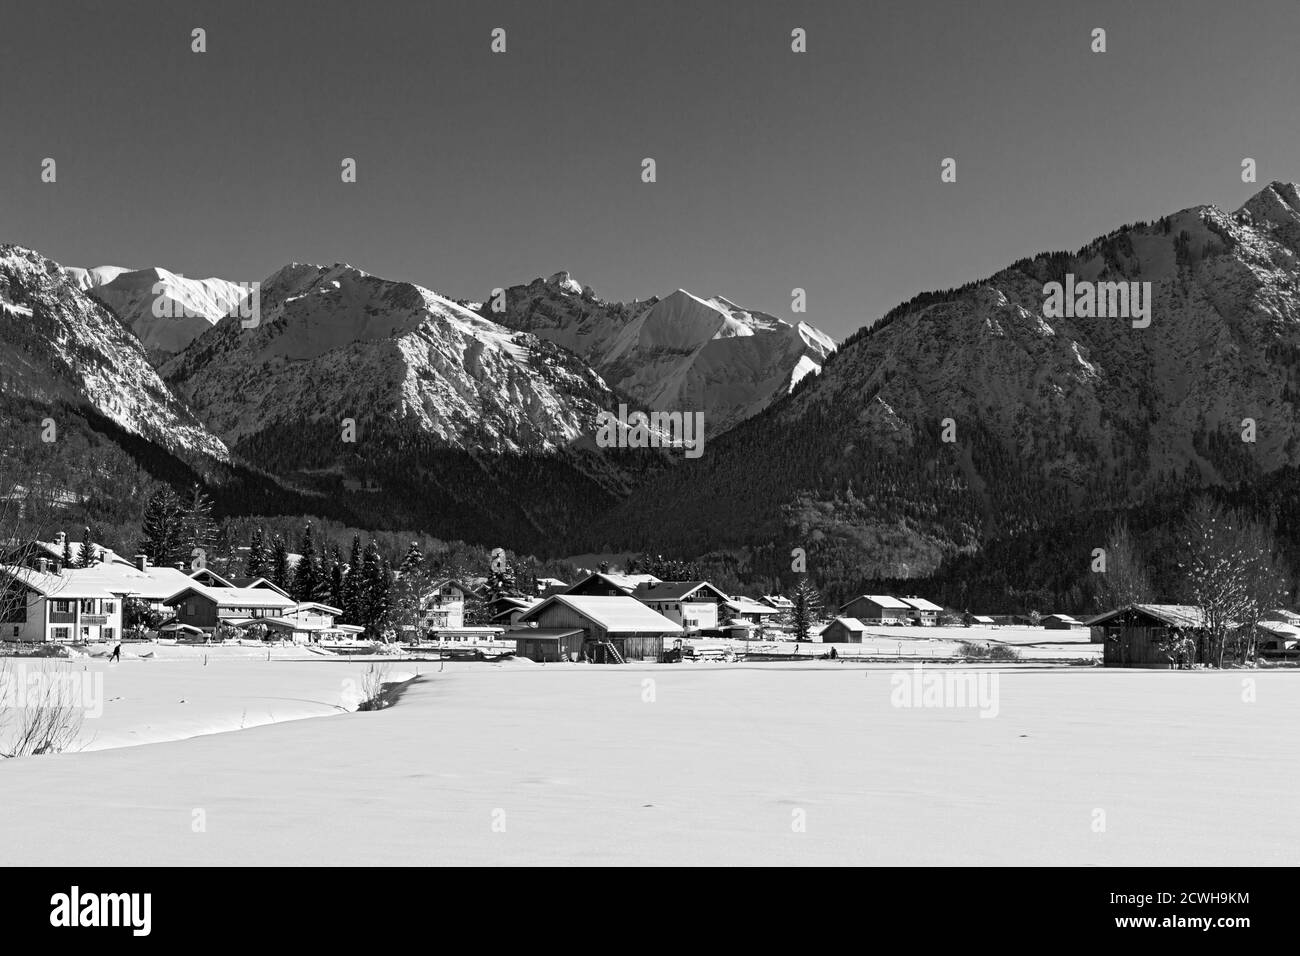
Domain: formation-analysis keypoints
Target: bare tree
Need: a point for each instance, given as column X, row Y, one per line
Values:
column 1232, row 571
column 1125, row 579
column 39, row 713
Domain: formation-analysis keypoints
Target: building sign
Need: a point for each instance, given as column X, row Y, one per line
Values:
column 94, row 619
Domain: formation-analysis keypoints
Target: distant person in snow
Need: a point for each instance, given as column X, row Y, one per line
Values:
column 834, row 654
column 117, row 653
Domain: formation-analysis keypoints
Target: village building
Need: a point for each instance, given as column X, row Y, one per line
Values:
column 844, row 630
column 506, row 610
column 778, row 601
column 309, row 622
column 693, row 605
column 38, row 606
column 1278, row 638
column 1145, row 635
column 922, row 612
column 876, row 609
column 1061, row 622
column 983, row 619
column 442, row 606
column 606, row 629
column 198, row 607
column 751, row 612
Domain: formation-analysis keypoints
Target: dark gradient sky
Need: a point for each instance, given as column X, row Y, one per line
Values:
column 775, row 169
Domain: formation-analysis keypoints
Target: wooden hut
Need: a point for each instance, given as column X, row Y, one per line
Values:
column 1147, row 635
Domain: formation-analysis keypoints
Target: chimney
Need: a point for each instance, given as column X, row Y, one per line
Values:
column 142, row 562
column 60, row 538
column 43, row 565
column 180, row 565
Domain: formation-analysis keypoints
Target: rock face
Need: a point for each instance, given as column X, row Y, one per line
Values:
column 60, row 345
column 681, row 352
column 335, row 342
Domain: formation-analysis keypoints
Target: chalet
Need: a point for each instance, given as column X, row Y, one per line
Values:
column 554, row 585
column 309, row 622
column 604, row 628
column 1147, row 635
column 203, row 607
column 48, row 555
column 844, row 630
column 876, row 609
column 778, row 601
column 609, row 584
column 39, row 606
column 442, row 606
column 920, row 611
column 983, row 619
column 691, row 604
column 1061, row 622
column 750, row 611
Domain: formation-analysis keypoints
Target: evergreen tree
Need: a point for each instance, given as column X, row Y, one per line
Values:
column 373, row 596
column 413, row 560
column 68, row 560
column 306, row 573
column 337, row 587
column 163, row 528
column 280, row 564
column 86, row 557
column 256, row 564
column 353, row 610
column 807, row 602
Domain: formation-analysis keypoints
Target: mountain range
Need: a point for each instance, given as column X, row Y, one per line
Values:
column 960, row 419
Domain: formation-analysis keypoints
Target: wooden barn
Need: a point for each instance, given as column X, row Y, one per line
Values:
column 844, row 630
column 548, row 644
column 613, row 629
column 1062, row 622
column 1145, row 635
column 877, row 609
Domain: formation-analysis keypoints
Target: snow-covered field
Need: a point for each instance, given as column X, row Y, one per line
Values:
column 782, row 763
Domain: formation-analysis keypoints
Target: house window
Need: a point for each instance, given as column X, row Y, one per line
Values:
column 62, row 607
column 108, row 607
column 108, row 633
column 88, row 606
column 16, row 629
column 62, row 633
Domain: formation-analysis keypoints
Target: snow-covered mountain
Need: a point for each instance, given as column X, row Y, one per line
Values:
column 680, row 352
column 970, row 412
column 166, row 311
column 335, row 342
column 60, row 345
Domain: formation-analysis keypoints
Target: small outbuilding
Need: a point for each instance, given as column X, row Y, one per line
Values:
column 844, row 630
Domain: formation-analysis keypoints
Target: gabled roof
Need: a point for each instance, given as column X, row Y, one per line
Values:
column 1172, row 615
column 105, row 580
column 673, row 590
column 778, row 601
column 220, row 580
column 920, row 604
column 744, row 605
column 262, row 582
column 851, row 623
column 982, row 618
column 236, row 597
column 624, row 582
column 880, row 600
column 614, row 614
column 1063, row 617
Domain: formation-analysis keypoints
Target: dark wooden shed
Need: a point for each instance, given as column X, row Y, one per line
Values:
column 1147, row 635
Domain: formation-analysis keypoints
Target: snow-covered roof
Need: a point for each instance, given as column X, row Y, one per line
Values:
column 920, row 604
column 881, row 600
column 850, row 623
column 744, row 605
column 672, row 590
column 1173, row 615
column 614, row 614
column 236, row 597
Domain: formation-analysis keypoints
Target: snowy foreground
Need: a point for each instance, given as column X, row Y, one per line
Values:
column 798, row 763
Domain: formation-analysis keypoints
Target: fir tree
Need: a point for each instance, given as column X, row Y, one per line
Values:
column 353, row 610
column 413, row 560
column 86, row 557
column 280, row 564
column 163, row 528
column 306, row 573
column 336, row 584
column 256, row 564
column 807, row 602
column 68, row 560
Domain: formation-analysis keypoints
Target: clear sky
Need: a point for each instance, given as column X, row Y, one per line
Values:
column 775, row 169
